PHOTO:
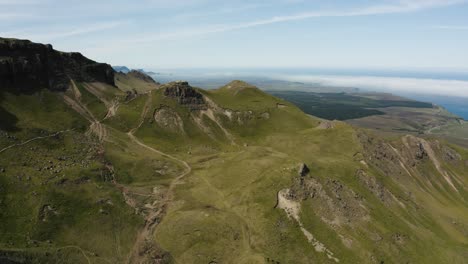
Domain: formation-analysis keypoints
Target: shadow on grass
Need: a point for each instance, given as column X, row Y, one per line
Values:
column 7, row 120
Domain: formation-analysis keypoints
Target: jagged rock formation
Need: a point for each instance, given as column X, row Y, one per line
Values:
column 26, row 66
column 185, row 95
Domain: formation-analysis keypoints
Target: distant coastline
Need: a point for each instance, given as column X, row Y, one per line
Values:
column 422, row 85
column 455, row 105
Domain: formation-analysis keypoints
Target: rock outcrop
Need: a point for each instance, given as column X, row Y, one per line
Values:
column 26, row 66
column 420, row 152
column 326, row 125
column 185, row 95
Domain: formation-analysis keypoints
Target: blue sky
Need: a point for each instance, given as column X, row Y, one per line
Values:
column 396, row 34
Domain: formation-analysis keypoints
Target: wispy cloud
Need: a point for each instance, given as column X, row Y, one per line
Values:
column 86, row 29
column 391, row 84
column 402, row 6
column 452, row 27
column 19, row 2
column 17, row 10
column 64, row 33
column 14, row 16
column 221, row 11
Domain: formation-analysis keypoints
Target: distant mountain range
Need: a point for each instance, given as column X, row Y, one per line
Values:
column 122, row 69
column 125, row 69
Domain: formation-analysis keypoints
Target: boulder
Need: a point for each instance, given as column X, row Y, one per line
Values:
column 303, row 170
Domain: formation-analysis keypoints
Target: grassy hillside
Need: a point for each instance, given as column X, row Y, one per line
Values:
column 62, row 199
column 184, row 175
column 57, row 201
column 129, row 82
column 358, row 209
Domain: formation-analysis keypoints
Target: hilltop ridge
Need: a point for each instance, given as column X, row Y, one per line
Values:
column 237, row 85
column 25, row 65
column 142, row 76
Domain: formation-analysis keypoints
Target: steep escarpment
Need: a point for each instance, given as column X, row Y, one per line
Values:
column 26, row 66
column 427, row 160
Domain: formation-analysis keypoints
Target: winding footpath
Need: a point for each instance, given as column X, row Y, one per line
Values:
column 34, row 139
column 100, row 130
column 156, row 214
column 152, row 220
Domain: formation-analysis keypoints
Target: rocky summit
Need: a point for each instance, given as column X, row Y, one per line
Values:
column 184, row 93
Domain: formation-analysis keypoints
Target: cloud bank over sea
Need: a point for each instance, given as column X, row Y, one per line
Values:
column 456, row 88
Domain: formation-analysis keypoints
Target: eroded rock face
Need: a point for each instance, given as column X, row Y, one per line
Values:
column 381, row 155
column 168, row 119
column 375, row 186
column 332, row 200
column 25, row 66
column 185, row 95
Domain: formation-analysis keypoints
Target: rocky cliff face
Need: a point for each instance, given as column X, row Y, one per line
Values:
column 25, row 66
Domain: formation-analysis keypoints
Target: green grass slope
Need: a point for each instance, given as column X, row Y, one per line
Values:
column 57, row 201
column 66, row 196
column 128, row 82
column 364, row 200
column 186, row 175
